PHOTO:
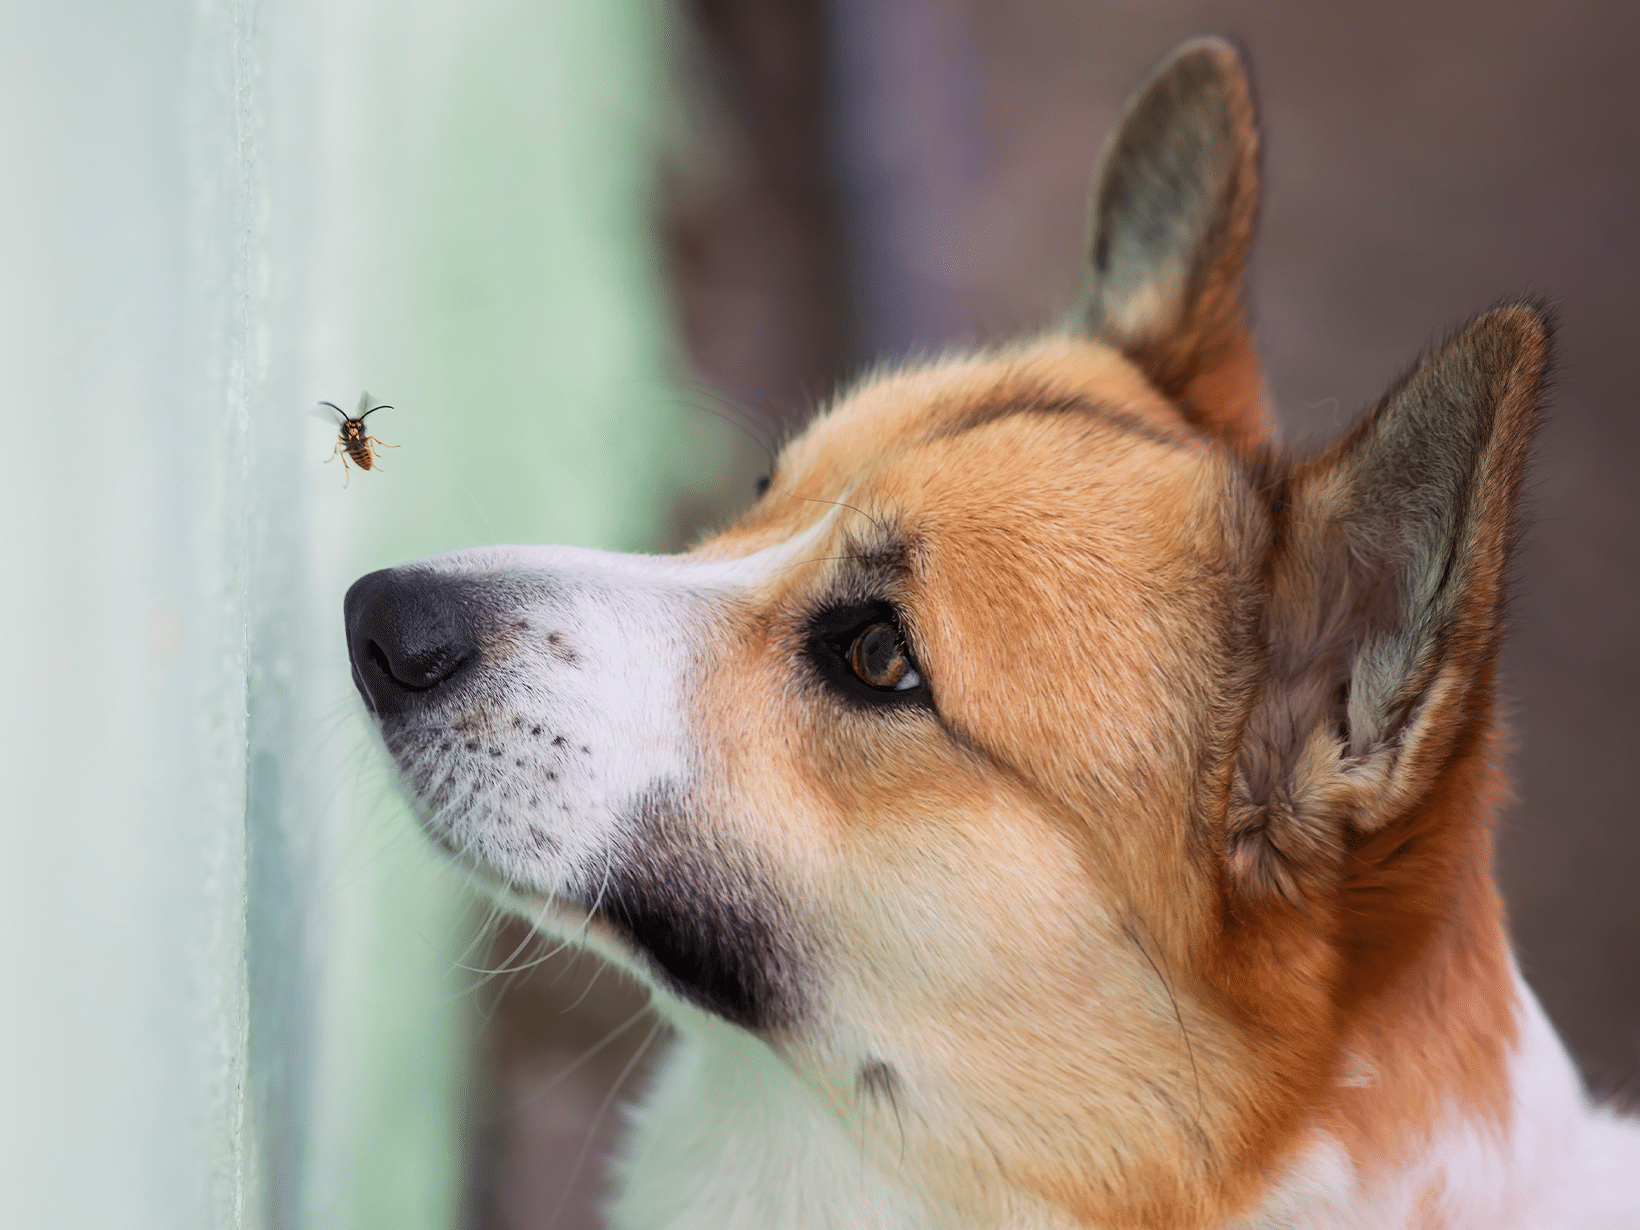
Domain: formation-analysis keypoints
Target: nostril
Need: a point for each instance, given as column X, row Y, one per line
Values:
column 417, row 672
column 378, row 656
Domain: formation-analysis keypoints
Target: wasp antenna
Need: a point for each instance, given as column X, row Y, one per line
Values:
column 334, row 407
column 371, row 411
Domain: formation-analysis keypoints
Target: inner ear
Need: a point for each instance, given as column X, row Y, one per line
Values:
column 1385, row 614
column 1173, row 211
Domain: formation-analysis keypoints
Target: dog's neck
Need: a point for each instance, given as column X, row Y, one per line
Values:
column 729, row 1138
column 1456, row 1105
column 1405, row 1144
column 1432, row 1123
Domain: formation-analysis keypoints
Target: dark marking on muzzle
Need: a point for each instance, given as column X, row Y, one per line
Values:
column 714, row 928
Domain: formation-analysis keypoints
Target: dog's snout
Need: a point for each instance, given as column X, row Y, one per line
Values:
column 408, row 632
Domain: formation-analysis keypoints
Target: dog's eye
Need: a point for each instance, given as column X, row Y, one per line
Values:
column 859, row 649
column 878, row 657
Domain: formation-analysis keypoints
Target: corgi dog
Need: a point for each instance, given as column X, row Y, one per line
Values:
column 1053, row 803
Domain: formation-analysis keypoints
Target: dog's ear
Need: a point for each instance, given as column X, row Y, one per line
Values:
column 1385, row 613
column 1173, row 211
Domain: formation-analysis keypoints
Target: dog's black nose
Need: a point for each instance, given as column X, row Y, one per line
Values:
column 408, row 632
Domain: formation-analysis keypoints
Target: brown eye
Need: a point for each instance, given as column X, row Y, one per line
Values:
column 878, row 657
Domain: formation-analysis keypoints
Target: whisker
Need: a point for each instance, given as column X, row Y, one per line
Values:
column 819, row 559
column 767, row 446
column 773, row 426
column 809, row 499
column 597, row 973
column 1177, row 1015
column 580, row 931
column 530, row 936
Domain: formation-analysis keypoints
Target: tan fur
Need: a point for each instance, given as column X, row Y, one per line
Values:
column 1112, row 503
column 1077, row 752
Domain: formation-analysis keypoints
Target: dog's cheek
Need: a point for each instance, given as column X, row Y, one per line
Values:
column 708, row 917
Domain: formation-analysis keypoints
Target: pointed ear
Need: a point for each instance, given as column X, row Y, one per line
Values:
column 1174, row 207
column 1386, row 608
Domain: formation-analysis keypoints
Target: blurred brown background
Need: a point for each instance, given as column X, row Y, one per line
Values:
column 867, row 177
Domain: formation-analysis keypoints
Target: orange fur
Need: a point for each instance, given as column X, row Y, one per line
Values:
column 1129, row 601
column 1077, row 752
column 1077, row 743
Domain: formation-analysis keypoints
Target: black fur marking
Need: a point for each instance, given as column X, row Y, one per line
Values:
column 1013, row 402
column 877, row 1079
column 715, row 930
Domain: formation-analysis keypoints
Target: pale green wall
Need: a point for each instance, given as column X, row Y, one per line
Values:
column 230, row 995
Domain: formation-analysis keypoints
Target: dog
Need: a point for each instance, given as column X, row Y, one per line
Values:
column 1053, row 803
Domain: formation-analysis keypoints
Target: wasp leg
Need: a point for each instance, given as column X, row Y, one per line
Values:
column 383, row 443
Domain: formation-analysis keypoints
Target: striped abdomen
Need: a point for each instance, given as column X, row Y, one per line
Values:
column 357, row 445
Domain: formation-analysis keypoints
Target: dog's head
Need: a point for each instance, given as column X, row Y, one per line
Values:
column 1046, row 767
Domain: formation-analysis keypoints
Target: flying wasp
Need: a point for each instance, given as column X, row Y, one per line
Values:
column 351, row 440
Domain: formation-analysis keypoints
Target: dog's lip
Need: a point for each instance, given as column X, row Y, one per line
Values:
column 465, row 722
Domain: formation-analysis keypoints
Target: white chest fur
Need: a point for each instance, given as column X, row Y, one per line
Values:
column 1557, row 1165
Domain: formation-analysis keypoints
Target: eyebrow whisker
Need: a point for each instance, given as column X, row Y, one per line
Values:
column 821, row 559
column 807, row 499
column 737, row 417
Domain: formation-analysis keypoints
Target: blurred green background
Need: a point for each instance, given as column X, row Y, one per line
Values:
column 241, row 990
